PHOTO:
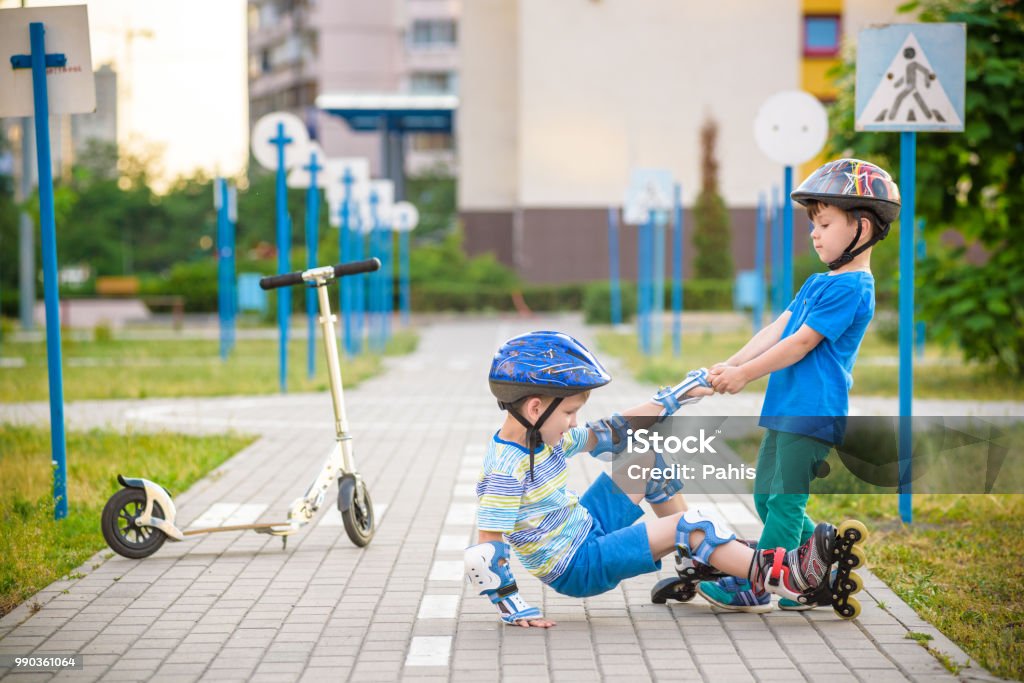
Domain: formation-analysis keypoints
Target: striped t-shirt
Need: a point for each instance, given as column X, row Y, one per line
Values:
column 540, row 518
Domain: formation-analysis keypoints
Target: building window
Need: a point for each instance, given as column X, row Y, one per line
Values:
column 432, row 33
column 431, row 142
column 432, row 82
column 821, row 36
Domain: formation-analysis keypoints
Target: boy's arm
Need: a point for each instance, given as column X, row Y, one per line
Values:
column 761, row 342
column 783, row 354
column 608, row 435
column 487, row 567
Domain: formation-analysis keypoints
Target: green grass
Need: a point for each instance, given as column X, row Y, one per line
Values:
column 945, row 376
column 149, row 369
column 958, row 565
column 35, row 550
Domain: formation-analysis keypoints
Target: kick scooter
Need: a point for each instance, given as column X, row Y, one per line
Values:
column 141, row 516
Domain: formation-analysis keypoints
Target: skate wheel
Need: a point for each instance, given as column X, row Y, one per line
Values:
column 853, row 531
column 849, row 609
column 852, row 584
column 856, row 558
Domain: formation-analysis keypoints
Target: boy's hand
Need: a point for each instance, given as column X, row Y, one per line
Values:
column 536, row 623
column 728, row 379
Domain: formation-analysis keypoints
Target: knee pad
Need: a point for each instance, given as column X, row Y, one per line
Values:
column 716, row 533
column 487, row 568
column 660, row 490
column 611, row 436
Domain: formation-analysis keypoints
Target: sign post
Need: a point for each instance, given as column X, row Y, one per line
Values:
column 278, row 143
column 613, row 266
column 226, row 202
column 650, row 192
column 308, row 174
column 677, row 269
column 38, row 84
column 405, row 218
column 910, row 78
column 346, row 186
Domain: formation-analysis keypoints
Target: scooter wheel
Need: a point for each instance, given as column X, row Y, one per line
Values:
column 121, row 532
column 358, row 518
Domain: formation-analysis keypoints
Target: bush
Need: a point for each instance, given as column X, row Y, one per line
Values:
column 597, row 302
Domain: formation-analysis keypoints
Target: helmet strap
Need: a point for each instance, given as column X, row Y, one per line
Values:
column 533, row 438
column 850, row 253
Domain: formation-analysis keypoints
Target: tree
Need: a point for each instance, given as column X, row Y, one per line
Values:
column 972, row 182
column 712, row 235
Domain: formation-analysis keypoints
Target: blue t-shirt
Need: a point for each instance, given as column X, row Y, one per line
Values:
column 817, row 388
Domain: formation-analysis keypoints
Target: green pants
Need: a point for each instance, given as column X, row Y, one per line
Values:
column 786, row 465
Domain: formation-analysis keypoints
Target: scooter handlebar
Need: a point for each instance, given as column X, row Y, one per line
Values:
column 340, row 270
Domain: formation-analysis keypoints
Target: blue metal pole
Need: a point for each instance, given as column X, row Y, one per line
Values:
column 787, row 239
column 919, row 327
column 908, row 175
column 283, row 261
column 403, row 248
column 51, row 295
column 658, row 282
column 648, row 276
column 223, row 313
column 232, row 197
column 759, row 264
column 776, row 216
column 677, row 270
column 642, row 273
column 347, row 287
column 388, row 284
column 613, row 266
column 312, row 239
column 358, row 285
column 375, row 276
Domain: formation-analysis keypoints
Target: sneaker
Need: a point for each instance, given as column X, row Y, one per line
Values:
column 801, row 571
column 735, row 595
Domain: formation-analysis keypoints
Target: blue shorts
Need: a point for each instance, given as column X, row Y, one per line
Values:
column 615, row 549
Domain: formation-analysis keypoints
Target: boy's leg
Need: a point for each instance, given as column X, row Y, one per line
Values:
column 786, row 524
column 765, row 472
column 802, row 573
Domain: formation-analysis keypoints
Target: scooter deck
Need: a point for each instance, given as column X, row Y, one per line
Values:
column 236, row 527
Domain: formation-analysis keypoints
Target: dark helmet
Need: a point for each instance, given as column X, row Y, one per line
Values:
column 853, row 185
column 542, row 364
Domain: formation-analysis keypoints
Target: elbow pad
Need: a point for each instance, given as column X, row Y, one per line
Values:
column 487, row 568
column 611, row 436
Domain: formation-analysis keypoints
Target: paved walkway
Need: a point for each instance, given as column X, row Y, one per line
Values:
column 235, row 606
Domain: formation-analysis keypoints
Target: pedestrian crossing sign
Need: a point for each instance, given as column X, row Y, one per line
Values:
column 910, row 78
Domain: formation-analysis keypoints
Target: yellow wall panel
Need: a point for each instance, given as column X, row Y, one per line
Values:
column 814, row 79
column 823, row 6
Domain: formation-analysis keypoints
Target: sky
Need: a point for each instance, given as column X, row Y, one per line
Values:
column 182, row 77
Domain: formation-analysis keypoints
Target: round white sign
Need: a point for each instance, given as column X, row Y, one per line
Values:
column 404, row 216
column 301, row 175
column 791, row 127
column 266, row 131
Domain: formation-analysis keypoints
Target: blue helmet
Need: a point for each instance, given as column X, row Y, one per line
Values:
column 543, row 364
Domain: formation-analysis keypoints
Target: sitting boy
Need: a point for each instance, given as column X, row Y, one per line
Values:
column 583, row 546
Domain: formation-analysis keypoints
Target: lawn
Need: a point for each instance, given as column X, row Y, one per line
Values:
column 958, row 564
column 35, row 549
column 940, row 375
column 109, row 369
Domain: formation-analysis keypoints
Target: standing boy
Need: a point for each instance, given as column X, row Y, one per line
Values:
column 809, row 353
